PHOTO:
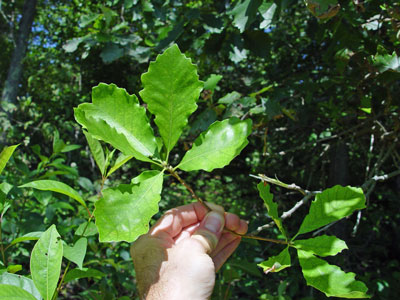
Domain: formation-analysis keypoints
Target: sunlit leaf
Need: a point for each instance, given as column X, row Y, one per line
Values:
column 171, row 89
column 55, row 186
column 387, row 62
column 124, row 216
column 272, row 207
column 12, row 292
column 118, row 119
column 20, row 281
column 77, row 253
column 46, row 262
column 5, row 155
column 323, row 245
column 330, row 279
column 31, row 236
column 331, row 205
column 267, row 10
column 277, row 263
column 121, row 160
column 244, row 13
column 216, row 147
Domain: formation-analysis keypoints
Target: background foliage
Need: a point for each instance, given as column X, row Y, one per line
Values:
column 319, row 79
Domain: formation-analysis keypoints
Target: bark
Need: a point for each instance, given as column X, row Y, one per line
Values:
column 10, row 90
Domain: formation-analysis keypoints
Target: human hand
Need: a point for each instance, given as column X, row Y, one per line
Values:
column 179, row 256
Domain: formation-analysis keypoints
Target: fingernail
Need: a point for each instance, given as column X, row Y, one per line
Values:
column 214, row 222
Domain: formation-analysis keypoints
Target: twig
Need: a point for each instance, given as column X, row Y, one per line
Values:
column 280, row 183
column 175, row 174
column 366, row 186
column 288, row 213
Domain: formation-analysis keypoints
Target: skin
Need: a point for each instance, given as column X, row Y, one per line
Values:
column 180, row 255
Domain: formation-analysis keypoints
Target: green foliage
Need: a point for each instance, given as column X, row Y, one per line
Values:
column 12, row 292
column 5, row 156
column 46, row 262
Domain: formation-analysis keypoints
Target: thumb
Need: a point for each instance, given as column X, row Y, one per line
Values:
column 210, row 230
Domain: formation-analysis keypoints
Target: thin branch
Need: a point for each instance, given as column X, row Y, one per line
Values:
column 280, row 183
column 366, row 186
column 288, row 213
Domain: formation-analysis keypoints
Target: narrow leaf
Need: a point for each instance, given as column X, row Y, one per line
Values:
column 12, row 292
column 97, row 151
column 21, row 282
column 218, row 146
column 55, row 186
column 267, row 10
column 124, row 216
column 272, row 207
column 31, row 236
column 330, row 279
column 171, row 89
column 277, row 263
column 331, row 205
column 121, row 160
column 244, row 13
column 118, row 119
column 77, row 253
column 46, row 262
column 5, row 156
column 84, row 273
column 323, row 245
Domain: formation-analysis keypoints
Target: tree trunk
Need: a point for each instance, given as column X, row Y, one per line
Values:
column 10, row 90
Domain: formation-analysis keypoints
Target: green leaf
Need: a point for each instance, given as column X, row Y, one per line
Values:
column 331, row 205
column 55, row 186
column 230, row 98
column 330, row 279
column 267, row 10
column 171, row 89
column 97, row 151
column 121, row 160
column 244, row 13
column 84, row 273
column 46, row 262
column 123, row 216
column 216, row 147
column 31, row 236
column 212, row 81
column 11, row 292
column 277, row 263
column 5, row 155
column 86, row 229
column 21, row 282
column 14, row 268
column 387, row 62
column 118, row 119
column 272, row 207
column 77, row 253
column 323, row 245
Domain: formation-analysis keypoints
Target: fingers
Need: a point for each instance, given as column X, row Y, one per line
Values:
column 210, row 230
column 176, row 219
column 220, row 258
column 234, row 223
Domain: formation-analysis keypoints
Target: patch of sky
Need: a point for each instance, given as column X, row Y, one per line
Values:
column 269, row 29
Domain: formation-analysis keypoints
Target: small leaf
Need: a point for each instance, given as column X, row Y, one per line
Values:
column 218, row 146
column 86, row 229
column 244, row 13
column 267, row 10
column 331, row 205
column 212, row 81
column 77, row 253
column 387, row 62
column 55, row 186
column 272, row 207
column 330, row 279
column 97, row 151
column 121, row 160
column 46, row 262
column 84, row 273
column 277, row 263
column 5, row 155
column 14, row 268
column 118, row 119
column 11, row 292
column 323, row 245
column 31, row 236
column 123, row 216
column 171, row 89
column 21, row 282
column 229, row 98
column 323, row 9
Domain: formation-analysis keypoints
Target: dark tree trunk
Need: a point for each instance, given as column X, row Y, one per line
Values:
column 10, row 90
